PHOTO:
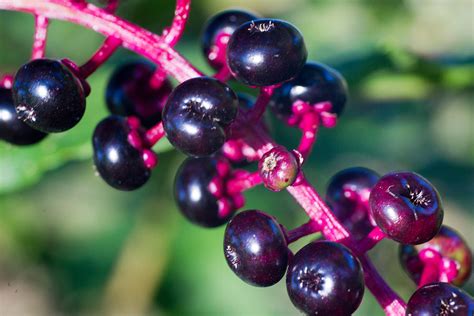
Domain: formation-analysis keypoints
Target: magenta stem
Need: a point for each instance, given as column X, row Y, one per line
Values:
column 223, row 74
column 306, row 196
column 40, row 36
column 244, row 181
column 154, row 134
column 430, row 273
column 6, row 81
column 111, row 6
column 304, row 230
column 108, row 48
column 261, row 104
column 391, row 303
column 181, row 15
column 372, row 239
column 133, row 37
column 309, row 127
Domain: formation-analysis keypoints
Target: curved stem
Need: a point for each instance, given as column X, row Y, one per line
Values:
column 369, row 242
column 243, row 182
column 39, row 39
column 106, row 50
column 261, row 104
column 309, row 127
column 154, row 134
column 181, row 15
column 304, row 230
column 132, row 36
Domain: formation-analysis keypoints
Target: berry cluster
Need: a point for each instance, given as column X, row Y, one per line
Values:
column 221, row 130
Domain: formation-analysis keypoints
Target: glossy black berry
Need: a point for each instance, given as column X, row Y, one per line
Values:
column 12, row 129
column 440, row 299
column 324, row 278
column 130, row 93
column 192, row 192
column 315, row 83
column 196, row 115
column 223, row 23
column 265, row 52
column 48, row 96
column 119, row 163
column 255, row 248
column 406, row 207
column 347, row 194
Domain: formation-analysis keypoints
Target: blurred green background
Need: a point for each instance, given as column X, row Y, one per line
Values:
column 71, row 245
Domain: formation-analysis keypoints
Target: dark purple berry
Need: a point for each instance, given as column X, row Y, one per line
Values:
column 265, row 52
column 348, row 194
column 193, row 192
column 223, row 23
column 196, row 115
column 130, row 93
column 440, row 299
column 48, row 96
column 119, row 163
column 255, row 248
column 315, row 83
column 324, row 278
column 12, row 129
column 278, row 168
column 449, row 244
column 406, row 207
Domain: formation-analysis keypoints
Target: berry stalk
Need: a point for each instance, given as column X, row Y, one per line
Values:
column 39, row 39
column 133, row 37
column 305, row 195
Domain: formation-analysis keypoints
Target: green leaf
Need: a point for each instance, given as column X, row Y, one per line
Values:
column 23, row 166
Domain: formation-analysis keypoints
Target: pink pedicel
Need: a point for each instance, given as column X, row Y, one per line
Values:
column 149, row 158
column 250, row 141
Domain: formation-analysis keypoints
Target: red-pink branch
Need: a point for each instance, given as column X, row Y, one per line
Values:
column 159, row 51
column 39, row 39
column 133, row 37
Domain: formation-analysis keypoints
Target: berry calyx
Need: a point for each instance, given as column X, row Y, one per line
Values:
column 266, row 52
column 278, row 168
column 255, row 248
column 117, row 160
column 315, row 83
column 325, row 278
column 216, row 34
column 196, row 115
column 130, row 92
column 348, row 194
column 13, row 130
column 406, row 207
column 440, row 299
column 199, row 191
column 48, row 96
column 449, row 245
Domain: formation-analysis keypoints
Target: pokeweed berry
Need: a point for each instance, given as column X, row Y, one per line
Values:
column 266, row 52
column 197, row 113
column 194, row 184
column 13, row 130
column 440, row 299
column 449, row 244
column 406, row 207
column 278, row 168
column 255, row 248
column 222, row 24
column 347, row 194
column 117, row 161
column 325, row 278
column 48, row 96
column 315, row 83
column 129, row 92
